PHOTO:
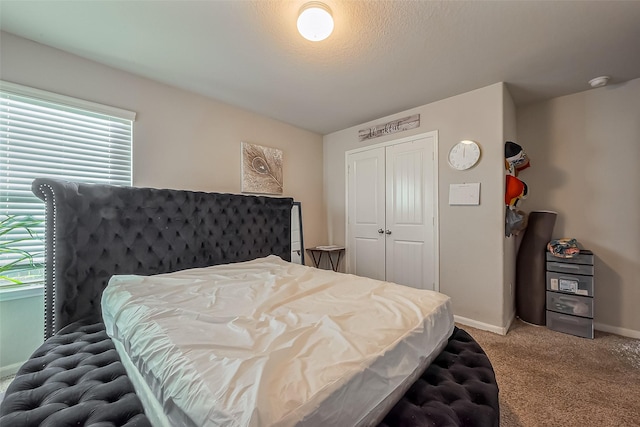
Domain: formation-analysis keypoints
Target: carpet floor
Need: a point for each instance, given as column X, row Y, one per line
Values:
column 548, row 378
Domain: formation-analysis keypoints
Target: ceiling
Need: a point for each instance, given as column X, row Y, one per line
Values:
column 383, row 57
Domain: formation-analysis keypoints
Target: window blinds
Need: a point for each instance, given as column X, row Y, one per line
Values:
column 48, row 135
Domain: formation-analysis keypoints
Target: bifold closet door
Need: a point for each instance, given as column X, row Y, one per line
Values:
column 366, row 212
column 409, row 214
column 390, row 213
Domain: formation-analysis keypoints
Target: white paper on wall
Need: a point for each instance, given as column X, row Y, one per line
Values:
column 464, row 194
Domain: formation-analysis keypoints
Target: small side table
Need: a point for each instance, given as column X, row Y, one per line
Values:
column 317, row 253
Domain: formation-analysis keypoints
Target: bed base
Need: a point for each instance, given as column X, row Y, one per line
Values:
column 95, row 231
column 76, row 378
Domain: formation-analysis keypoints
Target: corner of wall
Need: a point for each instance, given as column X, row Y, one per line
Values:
column 496, row 329
column 509, row 133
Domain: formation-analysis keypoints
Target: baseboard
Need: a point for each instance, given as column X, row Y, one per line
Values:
column 617, row 330
column 7, row 371
column 501, row 330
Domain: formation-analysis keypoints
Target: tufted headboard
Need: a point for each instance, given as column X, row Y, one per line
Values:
column 95, row 231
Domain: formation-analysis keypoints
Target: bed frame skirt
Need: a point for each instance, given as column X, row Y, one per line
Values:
column 95, row 231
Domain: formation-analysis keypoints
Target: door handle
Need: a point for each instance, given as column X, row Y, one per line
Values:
column 380, row 230
column 387, row 232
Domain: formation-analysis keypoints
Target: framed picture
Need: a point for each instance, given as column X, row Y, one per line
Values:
column 261, row 169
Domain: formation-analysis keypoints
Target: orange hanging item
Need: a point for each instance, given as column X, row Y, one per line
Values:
column 514, row 190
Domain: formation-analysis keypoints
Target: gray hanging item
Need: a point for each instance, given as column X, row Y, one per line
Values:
column 515, row 221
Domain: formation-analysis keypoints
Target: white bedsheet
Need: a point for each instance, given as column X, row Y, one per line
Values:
column 271, row 343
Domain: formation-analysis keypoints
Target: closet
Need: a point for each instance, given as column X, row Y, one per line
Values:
column 392, row 211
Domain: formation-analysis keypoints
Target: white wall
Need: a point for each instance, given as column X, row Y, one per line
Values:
column 471, row 237
column 181, row 140
column 585, row 157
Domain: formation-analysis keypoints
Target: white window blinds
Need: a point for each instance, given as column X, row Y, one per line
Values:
column 48, row 135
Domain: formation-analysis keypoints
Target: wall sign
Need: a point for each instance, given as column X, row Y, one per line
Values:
column 394, row 126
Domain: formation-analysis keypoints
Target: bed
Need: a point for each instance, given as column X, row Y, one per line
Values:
column 81, row 375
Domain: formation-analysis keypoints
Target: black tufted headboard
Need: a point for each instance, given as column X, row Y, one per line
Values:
column 95, row 231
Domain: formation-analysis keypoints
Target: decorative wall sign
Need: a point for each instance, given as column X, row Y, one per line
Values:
column 394, row 126
column 261, row 169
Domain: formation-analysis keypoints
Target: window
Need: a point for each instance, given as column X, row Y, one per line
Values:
column 48, row 135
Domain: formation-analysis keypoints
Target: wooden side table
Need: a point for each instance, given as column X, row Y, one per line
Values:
column 317, row 253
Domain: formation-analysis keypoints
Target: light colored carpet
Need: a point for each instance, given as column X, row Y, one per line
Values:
column 547, row 378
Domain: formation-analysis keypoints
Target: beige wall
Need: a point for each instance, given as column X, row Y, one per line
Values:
column 585, row 157
column 181, row 140
column 510, row 243
column 471, row 237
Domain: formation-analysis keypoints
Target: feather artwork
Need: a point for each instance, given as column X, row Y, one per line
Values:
column 261, row 169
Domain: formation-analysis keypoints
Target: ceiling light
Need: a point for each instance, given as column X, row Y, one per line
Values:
column 315, row 22
column 599, row 81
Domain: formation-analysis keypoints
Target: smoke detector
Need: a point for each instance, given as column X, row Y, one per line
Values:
column 599, row 81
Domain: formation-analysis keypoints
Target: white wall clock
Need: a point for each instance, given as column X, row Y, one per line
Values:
column 464, row 155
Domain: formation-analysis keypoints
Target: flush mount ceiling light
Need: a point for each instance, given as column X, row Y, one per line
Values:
column 315, row 22
column 599, row 81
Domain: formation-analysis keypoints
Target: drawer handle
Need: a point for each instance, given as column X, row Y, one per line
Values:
column 568, row 319
column 575, row 267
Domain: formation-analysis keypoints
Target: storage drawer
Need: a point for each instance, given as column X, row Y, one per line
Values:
column 565, row 267
column 574, row 284
column 584, row 257
column 579, row 326
column 570, row 304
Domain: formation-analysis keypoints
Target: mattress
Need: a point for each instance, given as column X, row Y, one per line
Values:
column 271, row 343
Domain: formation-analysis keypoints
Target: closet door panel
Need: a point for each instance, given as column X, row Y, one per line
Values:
column 366, row 202
column 367, row 251
column 409, row 213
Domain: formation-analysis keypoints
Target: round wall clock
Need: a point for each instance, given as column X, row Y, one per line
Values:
column 464, row 155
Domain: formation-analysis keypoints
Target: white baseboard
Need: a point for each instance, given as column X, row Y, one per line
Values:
column 617, row 330
column 7, row 371
column 501, row 330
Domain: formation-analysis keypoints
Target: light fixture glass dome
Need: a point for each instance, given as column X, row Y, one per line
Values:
column 315, row 22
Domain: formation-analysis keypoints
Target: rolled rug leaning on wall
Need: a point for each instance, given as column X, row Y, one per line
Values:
column 530, row 267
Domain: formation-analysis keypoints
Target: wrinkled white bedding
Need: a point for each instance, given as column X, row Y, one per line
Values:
column 271, row 343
